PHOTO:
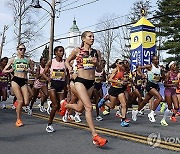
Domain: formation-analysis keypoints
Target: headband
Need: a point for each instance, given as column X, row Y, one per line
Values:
column 171, row 63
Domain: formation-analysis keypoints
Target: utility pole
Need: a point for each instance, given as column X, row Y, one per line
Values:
column 52, row 30
column 20, row 25
column 35, row 4
column 3, row 39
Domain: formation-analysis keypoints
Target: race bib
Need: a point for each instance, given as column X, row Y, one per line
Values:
column 98, row 79
column 58, row 74
column 21, row 67
column 139, row 82
column 175, row 81
column 3, row 79
column 117, row 85
column 31, row 77
column 156, row 77
column 87, row 63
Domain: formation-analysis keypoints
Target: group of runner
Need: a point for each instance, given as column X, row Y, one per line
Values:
column 75, row 83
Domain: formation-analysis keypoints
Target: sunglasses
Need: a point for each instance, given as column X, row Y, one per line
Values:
column 22, row 49
column 120, row 63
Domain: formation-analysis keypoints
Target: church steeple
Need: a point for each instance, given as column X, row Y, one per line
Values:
column 74, row 38
column 74, row 27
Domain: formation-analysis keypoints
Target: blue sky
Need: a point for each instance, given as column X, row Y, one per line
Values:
column 85, row 16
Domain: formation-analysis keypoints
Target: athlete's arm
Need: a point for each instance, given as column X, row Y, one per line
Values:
column 38, row 75
column 46, row 69
column 6, row 68
column 98, row 62
column 71, row 57
column 148, row 67
column 31, row 66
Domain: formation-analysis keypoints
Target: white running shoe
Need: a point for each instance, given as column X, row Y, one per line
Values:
column 29, row 111
column 151, row 117
column 64, row 118
column 134, row 115
column 77, row 118
column 118, row 114
column 140, row 112
column 3, row 105
column 24, row 108
column 13, row 107
column 99, row 118
column 70, row 117
column 49, row 107
column 42, row 109
column 39, row 105
column 50, row 129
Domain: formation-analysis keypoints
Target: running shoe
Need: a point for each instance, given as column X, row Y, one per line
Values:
column 42, row 109
column 70, row 117
column 49, row 107
column 63, row 108
column 19, row 123
column 99, row 118
column 174, row 119
column 24, row 108
column 29, row 111
column 151, row 117
column 124, row 124
column 101, row 102
column 3, row 105
column 65, row 117
column 13, row 107
column 140, row 112
column 99, row 141
column 15, row 104
column 50, row 129
column 163, row 107
column 105, row 112
column 118, row 114
column 77, row 118
column 164, row 123
column 134, row 115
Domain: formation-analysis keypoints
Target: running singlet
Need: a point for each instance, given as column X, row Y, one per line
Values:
column 173, row 78
column 119, row 76
column 84, row 59
column 41, row 72
column 20, row 65
column 57, row 70
column 154, row 75
column 98, row 77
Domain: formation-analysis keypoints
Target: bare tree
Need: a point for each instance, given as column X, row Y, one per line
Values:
column 135, row 11
column 25, row 27
column 106, row 39
column 123, row 40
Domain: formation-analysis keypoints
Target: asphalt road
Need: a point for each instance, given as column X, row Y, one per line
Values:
column 72, row 138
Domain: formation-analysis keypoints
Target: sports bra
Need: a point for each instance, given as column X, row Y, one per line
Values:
column 84, row 59
column 20, row 65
